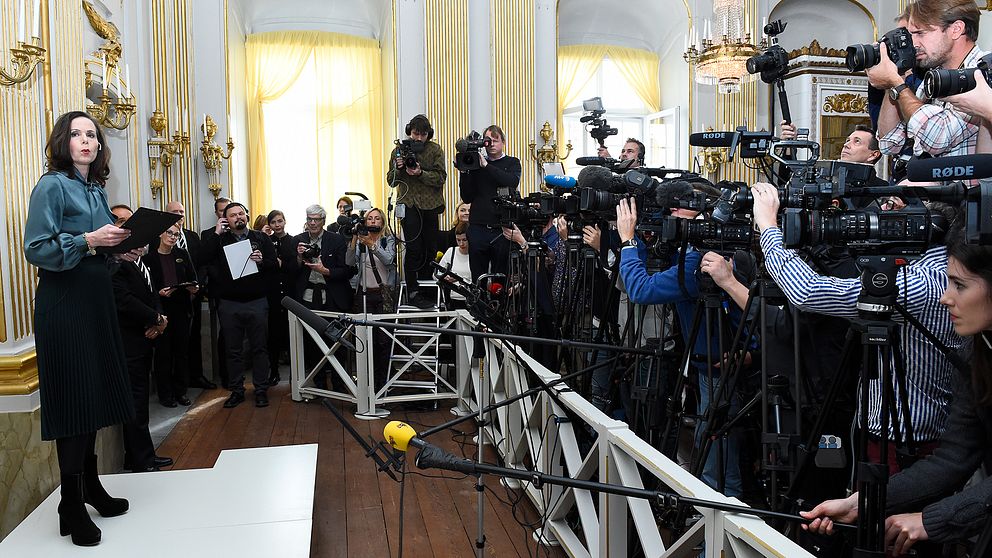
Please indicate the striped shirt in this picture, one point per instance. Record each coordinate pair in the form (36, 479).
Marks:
(920, 286)
(937, 127)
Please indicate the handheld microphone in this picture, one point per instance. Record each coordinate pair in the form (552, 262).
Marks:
(594, 161)
(559, 181)
(712, 139)
(961, 167)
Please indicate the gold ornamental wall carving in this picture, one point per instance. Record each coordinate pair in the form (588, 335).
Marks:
(846, 103)
(815, 49)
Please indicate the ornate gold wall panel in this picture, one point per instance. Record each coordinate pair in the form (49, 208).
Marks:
(446, 63)
(19, 374)
(512, 38)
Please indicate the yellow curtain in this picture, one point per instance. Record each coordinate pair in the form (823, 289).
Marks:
(274, 62)
(348, 100)
(576, 66)
(640, 69)
(578, 63)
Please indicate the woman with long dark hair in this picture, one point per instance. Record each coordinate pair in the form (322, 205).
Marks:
(82, 373)
(920, 501)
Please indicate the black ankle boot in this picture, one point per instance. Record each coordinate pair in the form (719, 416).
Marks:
(73, 518)
(95, 495)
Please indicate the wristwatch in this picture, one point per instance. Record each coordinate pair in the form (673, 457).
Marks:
(895, 91)
(159, 320)
(89, 249)
(632, 243)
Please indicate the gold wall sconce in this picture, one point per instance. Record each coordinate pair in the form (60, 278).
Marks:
(713, 158)
(213, 154)
(25, 57)
(547, 153)
(162, 149)
(116, 105)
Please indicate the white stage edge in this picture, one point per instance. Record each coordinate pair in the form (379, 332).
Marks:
(253, 502)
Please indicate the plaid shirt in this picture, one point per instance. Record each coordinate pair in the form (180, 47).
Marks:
(938, 128)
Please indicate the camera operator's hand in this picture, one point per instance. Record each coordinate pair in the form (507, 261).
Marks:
(318, 267)
(414, 171)
(366, 239)
(884, 75)
(604, 153)
(626, 219)
(765, 205)
(977, 102)
(222, 226)
(787, 131)
(483, 158)
(591, 235)
(719, 268)
(300, 248)
(903, 531)
(514, 235)
(844, 510)
(562, 225)
(399, 162)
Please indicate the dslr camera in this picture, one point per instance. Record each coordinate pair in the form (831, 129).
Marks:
(467, 151)
(773, 63)
(901, 51)
(311, 252)
(944, 83)
(407, 151)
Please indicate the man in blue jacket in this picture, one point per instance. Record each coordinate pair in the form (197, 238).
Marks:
(667, 287)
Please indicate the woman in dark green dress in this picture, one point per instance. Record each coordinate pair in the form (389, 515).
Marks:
(81, 368)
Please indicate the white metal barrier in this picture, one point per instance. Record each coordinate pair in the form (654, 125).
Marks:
(538, 432)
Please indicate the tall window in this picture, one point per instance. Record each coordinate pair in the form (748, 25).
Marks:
(625, 111)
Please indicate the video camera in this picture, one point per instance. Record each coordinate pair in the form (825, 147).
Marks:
(938, 83)
(599, 129)
(977, 199)
(898, 42)
(467, 151)
(407, 150)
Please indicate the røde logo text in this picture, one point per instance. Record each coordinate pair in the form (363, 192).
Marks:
(714, 135)
(954, 172)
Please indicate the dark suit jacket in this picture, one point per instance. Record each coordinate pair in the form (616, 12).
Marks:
(180, 301)
(138, 306)
(333, 249)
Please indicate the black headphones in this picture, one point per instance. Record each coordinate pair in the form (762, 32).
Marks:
(420, 122)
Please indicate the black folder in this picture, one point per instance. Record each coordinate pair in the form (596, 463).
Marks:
(145, 225)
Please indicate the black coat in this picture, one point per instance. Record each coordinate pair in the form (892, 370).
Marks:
(138, 306)
(333, 249)
(180, 301)
(246, 288)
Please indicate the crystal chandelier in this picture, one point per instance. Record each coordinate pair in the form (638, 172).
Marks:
(722, 61)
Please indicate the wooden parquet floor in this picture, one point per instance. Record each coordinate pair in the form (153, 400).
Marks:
(356, 509)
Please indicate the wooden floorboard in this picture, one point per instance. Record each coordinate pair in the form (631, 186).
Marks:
(356, 508)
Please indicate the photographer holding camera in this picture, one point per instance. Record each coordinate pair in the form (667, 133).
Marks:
(919, 284)
(498, 175)
(679, 284)
(417, 169)
(944, 33)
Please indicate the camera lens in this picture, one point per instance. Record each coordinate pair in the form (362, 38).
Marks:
(943, 83)
(861, 57)
(759, 63)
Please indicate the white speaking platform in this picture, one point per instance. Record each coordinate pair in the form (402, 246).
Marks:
(253, 502)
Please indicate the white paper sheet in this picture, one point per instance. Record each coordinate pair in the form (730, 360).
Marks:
(239, 259)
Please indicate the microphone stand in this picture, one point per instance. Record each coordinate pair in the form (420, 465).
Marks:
(433, 457)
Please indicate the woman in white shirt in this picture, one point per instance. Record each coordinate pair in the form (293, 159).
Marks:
(456, 260)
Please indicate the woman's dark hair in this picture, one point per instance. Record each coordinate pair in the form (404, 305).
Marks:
(976, 259)
(461, 228)
(59, 157)
(260, 222)
(273, 214)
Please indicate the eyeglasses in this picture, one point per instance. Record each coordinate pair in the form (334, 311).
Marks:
(315, 219)
(173, 234)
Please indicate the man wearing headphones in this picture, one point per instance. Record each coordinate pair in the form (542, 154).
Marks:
(633, 153)
(420, 188)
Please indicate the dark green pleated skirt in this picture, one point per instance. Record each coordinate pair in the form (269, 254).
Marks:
(82, 373)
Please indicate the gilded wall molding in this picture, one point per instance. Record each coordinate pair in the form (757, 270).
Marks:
(19, 373)
(846, 103)
(815, 49)
(512, 64)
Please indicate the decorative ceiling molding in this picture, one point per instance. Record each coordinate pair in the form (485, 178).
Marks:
(814, 49)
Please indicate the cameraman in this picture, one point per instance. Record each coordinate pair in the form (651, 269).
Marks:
(498, 175)
(421, 190)
(633, 153)
(919, 285)
(679, 285)
(944, 33)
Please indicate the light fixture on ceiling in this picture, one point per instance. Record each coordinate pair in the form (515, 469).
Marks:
(722, 60)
